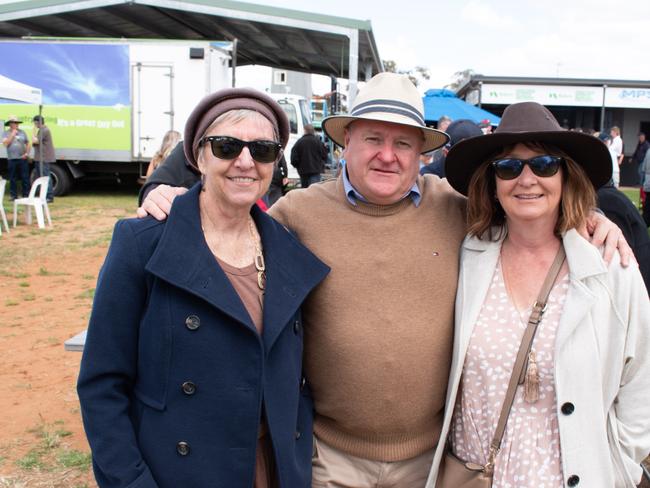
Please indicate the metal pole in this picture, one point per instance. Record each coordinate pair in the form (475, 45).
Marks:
(234, 61)
(480, 93)
(602, 110)
(353, 66)
(40, 140)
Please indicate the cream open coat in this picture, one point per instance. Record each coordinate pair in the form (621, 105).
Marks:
(602, 361)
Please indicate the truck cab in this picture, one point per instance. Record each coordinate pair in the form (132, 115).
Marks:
(299, 115)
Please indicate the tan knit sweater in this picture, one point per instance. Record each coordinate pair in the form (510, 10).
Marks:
(379, 329)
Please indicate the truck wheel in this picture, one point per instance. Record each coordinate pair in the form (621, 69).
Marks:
(61, 180)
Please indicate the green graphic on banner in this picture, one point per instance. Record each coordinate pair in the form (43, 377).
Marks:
(79, 126)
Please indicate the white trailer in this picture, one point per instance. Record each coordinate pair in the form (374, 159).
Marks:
(109, 103)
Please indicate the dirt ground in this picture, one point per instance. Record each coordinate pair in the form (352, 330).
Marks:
(47, 280)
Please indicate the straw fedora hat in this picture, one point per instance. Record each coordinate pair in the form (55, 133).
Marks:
(387, 97)
(13, 118)
(527, 122)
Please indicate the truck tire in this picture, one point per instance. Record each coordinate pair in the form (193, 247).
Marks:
(61, 179)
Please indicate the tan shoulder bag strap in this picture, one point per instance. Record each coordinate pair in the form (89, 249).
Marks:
(529, 334)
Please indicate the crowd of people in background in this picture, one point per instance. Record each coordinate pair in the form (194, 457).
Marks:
(19, 154)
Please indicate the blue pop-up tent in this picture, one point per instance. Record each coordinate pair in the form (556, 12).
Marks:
(439, 102)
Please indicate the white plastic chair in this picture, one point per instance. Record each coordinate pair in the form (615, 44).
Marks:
(38, 199)
(3, 184)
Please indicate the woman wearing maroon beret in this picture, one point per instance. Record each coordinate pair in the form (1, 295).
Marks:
(192, 370)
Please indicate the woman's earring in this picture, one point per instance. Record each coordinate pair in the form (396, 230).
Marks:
(202, 182)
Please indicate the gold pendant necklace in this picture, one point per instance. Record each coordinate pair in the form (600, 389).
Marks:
(260, 266)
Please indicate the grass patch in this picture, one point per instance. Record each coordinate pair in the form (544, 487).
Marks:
(23, 284)
(32, 460)
(10, 303)
(44, 272)
(74, 459)
(88, 277)
(99, 241)
(50, 454)
(633, 195)
(88, 294)
(29, 298)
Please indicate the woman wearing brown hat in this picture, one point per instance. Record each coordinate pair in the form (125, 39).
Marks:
(560, 401)
(191, 373)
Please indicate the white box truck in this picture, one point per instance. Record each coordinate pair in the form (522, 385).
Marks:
(108, 103)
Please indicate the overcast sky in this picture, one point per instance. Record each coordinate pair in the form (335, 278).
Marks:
(566, 38)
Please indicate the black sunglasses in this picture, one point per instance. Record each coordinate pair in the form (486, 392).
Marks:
(542, 166)
(224, 147)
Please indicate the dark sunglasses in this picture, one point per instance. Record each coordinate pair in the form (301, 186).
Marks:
(542, 166)
(224, 147)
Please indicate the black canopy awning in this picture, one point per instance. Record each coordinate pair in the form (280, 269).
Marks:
(270, 36)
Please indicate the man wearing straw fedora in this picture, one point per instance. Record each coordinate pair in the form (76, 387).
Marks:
(377, 341)
(17, 144)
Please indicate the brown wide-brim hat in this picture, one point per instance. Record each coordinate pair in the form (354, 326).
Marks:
(13, 118)
(222, 101)
(387, 97)
(527, 122)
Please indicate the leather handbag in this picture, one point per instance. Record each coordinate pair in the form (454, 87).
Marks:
(453, 471)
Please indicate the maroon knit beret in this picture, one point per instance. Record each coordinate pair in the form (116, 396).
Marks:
(222, 101)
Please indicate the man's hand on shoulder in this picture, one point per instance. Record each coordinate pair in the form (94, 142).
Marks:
(602, 231)
(158, 202)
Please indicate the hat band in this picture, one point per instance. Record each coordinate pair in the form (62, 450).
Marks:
(392, 106)
(389, 110)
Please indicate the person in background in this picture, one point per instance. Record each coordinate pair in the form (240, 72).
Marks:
(191, 374)
(169, 142)
(645, 182)
(43, 150)
(457, 130)
(426, 159)
(607, 140)
(617, 147)
(618, 208)
(278, 182)
(443, 123)
(18, 145)
(639, 154)
(309, 156)
(486, 126)
(580, 416)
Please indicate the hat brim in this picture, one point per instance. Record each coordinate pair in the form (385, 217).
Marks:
(7, 122)
(334, 126)
(465, 157)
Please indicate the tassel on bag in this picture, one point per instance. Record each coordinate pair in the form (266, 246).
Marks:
(531, 383)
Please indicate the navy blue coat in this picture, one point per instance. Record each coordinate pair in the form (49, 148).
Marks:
(174, 375)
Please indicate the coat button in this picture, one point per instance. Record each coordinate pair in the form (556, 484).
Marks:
(297, 435)
(573, 480)
(303, 382)
(192, 322)
(183, 448)
(188, 388)
(567, 408)
(296, 327)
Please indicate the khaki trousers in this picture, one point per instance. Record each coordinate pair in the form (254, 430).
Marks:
(332, 468)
